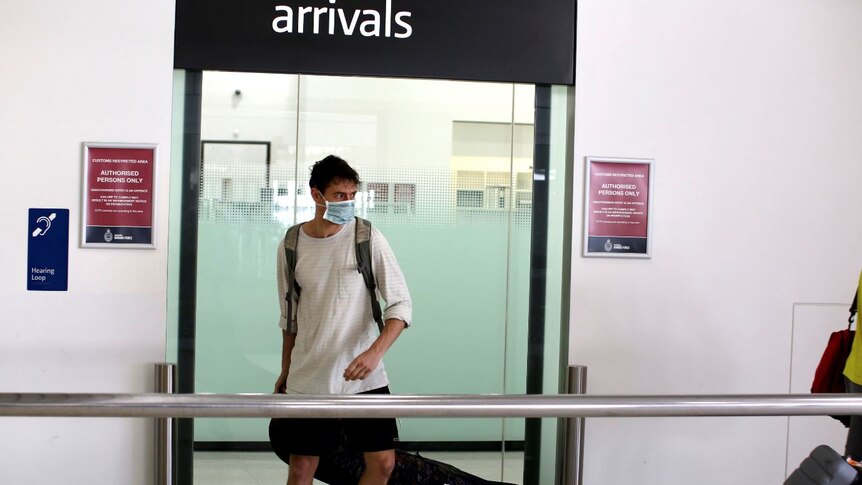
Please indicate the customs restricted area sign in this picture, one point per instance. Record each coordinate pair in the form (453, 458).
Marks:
(118, 209)
(617, 207)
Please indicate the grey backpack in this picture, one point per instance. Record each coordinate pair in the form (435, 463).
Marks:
(363, 263)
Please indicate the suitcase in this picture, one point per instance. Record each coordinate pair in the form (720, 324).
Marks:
(824, 466)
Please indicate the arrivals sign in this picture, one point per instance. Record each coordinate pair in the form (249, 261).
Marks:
(617, 207)
(118, 195)
(503, 40)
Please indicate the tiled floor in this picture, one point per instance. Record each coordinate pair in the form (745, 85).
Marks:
(228, 468)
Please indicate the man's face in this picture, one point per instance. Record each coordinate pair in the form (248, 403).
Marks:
(340, 190)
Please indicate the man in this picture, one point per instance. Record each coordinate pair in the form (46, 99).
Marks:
(331, 342)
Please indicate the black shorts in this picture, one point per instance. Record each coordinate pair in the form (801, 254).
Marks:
(319, 436)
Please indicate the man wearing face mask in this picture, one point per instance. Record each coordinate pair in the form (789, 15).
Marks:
(331, 342)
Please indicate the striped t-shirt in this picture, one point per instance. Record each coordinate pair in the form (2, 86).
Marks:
(334, 320)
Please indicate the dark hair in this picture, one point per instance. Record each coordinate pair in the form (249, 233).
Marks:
(331, 169)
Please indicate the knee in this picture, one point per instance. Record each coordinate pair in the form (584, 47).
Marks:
(380, 464)
(302, 468)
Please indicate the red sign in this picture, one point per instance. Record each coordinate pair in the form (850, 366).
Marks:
(617, 209)
(118, 194)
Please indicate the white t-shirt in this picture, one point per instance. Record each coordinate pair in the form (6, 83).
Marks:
(334, 318)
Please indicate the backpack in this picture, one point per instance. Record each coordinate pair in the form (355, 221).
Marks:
(363, 263)
(829, 375)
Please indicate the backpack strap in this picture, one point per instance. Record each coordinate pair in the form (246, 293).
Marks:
(292, 289)
(363, 263)
(853, 307)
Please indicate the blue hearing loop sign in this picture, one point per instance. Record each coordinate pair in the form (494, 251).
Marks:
(48, 250)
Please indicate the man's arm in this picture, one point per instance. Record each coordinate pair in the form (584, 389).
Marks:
(390, 281)
(288, 340)
(396, 315)
(367, 361)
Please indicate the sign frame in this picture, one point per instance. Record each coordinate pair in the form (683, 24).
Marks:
(87, 207)
(624, 251)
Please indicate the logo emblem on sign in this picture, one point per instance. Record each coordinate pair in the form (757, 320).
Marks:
(608, 245)
(109, 236)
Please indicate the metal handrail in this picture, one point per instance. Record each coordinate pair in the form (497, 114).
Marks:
(406, 406)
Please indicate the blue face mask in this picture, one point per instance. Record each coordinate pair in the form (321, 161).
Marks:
(339, 212)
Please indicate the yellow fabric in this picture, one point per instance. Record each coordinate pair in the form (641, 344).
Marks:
(853, 368)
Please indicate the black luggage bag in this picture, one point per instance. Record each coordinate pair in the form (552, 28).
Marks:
(824, 466)
(344, 466)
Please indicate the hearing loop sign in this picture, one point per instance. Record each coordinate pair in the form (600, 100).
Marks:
(48, 250)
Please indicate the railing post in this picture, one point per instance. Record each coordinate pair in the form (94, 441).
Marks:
(166, 377)
(574, 443)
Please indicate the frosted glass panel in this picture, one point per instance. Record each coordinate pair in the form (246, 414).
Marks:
(247, 198)
(452, 144)
(446, 170)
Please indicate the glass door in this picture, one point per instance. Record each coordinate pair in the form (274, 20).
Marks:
(447, 170)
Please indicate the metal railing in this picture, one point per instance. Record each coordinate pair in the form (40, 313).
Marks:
(425, 406)
(576, 406)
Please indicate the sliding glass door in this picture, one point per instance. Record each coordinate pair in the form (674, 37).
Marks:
(448, 176)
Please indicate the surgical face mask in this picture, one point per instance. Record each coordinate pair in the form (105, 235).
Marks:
(339, 212)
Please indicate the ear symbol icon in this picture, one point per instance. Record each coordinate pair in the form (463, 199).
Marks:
(40, 231)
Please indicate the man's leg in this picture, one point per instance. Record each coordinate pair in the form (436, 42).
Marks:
(377, 439)
(301, 469)
(378, 467)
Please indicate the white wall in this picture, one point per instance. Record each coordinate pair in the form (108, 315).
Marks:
(74, 72)
(753, 113)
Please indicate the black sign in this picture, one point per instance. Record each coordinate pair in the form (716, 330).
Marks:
(526, 41)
